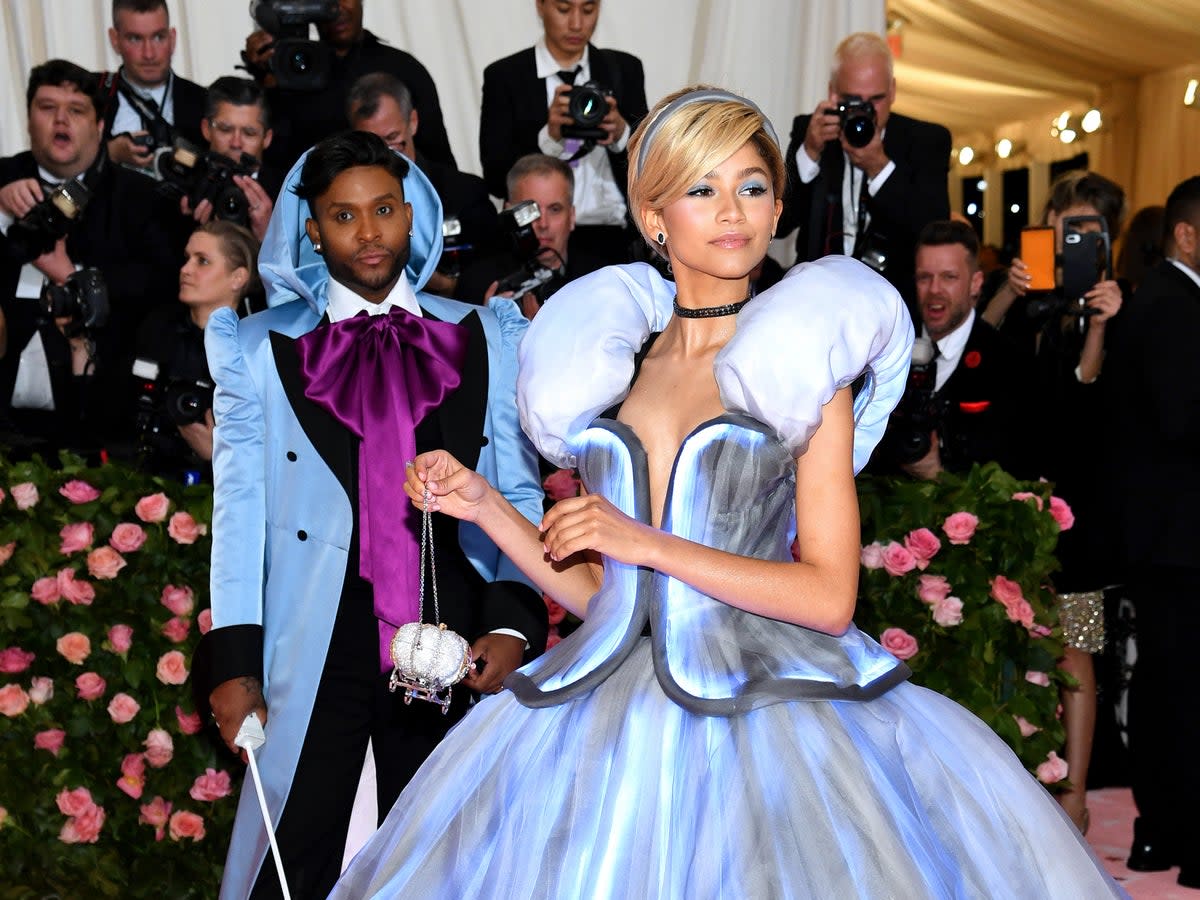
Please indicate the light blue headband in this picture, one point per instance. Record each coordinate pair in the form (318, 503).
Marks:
(686, 100)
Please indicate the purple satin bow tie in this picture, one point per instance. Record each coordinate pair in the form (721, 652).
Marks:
(380, 376)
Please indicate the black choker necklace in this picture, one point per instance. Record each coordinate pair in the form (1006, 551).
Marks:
(710, 312)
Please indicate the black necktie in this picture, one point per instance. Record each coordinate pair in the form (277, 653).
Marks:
(567, 76)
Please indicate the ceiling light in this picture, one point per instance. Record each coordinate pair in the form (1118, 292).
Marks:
(1004, 148)
(1063, 118)
(1015, 208)
(972, 208)
(1092, 121)
(1067, 135)
(965, 155)
(1189, 94)
(1053, 131)
(981, 184)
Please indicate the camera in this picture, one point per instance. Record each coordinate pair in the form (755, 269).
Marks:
(919, 412)
(454, 247)
(41, 227)
(163, 404)
(185, 171)
(83, 299)
(516, 222)
(298, 64)
(587, 105)
(856, 118)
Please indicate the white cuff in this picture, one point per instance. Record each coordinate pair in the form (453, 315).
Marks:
(511, 633)
(808, 168)
(618, 146)
(876, 183)
(547, 144)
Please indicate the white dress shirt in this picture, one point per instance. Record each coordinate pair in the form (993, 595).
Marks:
(950, 350)
(598, 200)
(852, 179)
(126, 118)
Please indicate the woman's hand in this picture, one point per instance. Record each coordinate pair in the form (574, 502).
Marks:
(592, 523)
(1018, 277)
(1105, 298)
(456, 490)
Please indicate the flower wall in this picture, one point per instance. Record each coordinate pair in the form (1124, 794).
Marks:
(110, 786)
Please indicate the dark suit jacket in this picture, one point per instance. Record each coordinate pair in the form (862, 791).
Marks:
(514, 109)
(479, 275)
(1155, 371)
(914, 194)
(188, 101)
(302, 118)
(465, 197)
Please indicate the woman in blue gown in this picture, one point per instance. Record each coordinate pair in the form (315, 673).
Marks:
(717, 727)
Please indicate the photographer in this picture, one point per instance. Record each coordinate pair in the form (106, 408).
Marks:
(527, 103)
(545, 245)
(115, 225)
(150, 105)
(382, 104)
(861, 180)
(174, 406)
(969, 401)
(305, 115)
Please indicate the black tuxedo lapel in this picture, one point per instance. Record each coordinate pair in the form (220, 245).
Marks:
(461, 415)
(960, 378)
(825, 224)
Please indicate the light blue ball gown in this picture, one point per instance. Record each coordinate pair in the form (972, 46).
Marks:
(724, 755)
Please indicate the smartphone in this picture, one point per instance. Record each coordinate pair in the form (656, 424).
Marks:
(1037, 252)
(1086, 255)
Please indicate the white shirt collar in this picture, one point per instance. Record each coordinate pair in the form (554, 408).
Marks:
(343, 303)
(951, 346)
(1187, 270)
(548, 67)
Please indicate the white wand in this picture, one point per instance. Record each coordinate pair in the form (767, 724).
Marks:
(250, 737)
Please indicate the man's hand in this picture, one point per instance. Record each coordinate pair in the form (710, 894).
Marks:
(199, 436)
(871, 158)
(260, 47)
(201, 214)
(501, 655)
(613, 123)
(18, 197)
(823, 127)
(122, 150)
(1105, 298)
(929, 466)
(231, 702)
(258, 204)
(556, 115)
(56, 264)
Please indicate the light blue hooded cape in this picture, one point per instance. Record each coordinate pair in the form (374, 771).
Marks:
(271, 486)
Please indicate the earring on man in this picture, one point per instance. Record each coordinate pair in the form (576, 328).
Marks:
(316, 246)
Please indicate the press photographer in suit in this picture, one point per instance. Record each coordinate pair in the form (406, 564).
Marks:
(864, 181)
(527, 106)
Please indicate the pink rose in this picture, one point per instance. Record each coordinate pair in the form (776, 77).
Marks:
(127, 537)
(872, 556)
(210, 786)
(189, 723)
(923, 544)
(1021, 612)
(553, 638)
(897, 559)
(176, 629)
(133, 775)
(75, 537)
(74, 803)
(41, 690)
(152, 508)
(120, 638)
(14, 659)
(1026, 495)
(13, 700)
(24, 495)
(1041, 679)
(1039, 631)
(83, 828)
(932, 588)
(172, 668)
(122, 708)
(185, 825)
(204, 621)
(90, 686)
(79, 492)
(1052, 770)
(51, 739)
(1006, 590)
(155, 813)
(74, 647)
(179, 600)
(104, 563)
(76, 591)
(561, 484)
(555, 612)
(159, 748)
(45, 591)
(960, 527)
(6, 551)
(947, 612)
(184, 529)
(1027, 728)
(899, 643)
(1062, 515)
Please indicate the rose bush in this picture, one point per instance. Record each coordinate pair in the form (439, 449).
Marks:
(110, 785)
(956, 582)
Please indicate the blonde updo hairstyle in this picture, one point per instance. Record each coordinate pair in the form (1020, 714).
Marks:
(689, 142)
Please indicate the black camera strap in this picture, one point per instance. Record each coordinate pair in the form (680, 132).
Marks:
(148, 110)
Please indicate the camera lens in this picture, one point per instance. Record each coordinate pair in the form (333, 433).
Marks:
(299, 62)
(858, 130)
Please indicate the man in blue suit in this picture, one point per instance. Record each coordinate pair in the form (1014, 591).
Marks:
(314, 562)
